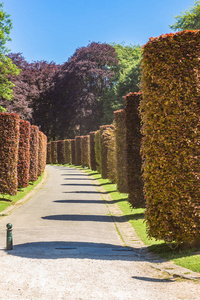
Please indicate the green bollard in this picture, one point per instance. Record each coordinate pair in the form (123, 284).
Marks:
(9, 244)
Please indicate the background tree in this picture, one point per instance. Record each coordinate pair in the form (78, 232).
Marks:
(126, 79)
(189, 19)
(7, 68)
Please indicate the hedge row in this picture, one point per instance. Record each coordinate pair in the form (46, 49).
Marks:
(111, 156)
(170, 112)
(73, 154)
(68, 152)
(93, 163)
(61, 152)
(104, 140)
(85, 151)
(78, 150)
(42, 153)
(18, 153)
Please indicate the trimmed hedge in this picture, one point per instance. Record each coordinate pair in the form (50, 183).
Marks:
(92, 151)
(170, 112)
(9, 143)
(24, 154)
(78, 150)
(121, 156)
(61, 152)
(49, 153)
(112, 162)
(73, 152)
(34, 140)
(133, 145)
(104, 149)
(54, 159)
(68, 152)
(42, 153)
(85, 151)
(98, 150)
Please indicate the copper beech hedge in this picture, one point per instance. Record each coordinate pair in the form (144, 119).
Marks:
(49, 153)
(24, 154)
(111, 155)
(92, 151)
(121, 157)
(170, 111)
(85, 151)
(73, 154)
(68, 152)
(9, 143)
(98, 150)
(78, 150)
(61, 152)
(104, 149)
(42, 153)
(133, 144)
(54, 159)
(34, 143)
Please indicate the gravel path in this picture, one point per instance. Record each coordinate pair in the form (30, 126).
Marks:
(67, 246)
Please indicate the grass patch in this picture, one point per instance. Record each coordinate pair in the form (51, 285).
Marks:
(8, 200)
(189, 258)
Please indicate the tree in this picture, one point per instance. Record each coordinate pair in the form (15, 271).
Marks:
(126, 79)
(72, 106)
(189, 19)
(7, 68)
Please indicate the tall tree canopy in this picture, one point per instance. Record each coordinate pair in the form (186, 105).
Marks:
(189, 19)
(7, 68)
(72, 105)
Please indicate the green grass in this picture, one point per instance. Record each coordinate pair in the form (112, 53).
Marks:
(185, 258)
(8, 200)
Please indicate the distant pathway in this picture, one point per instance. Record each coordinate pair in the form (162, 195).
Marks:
(66, 246)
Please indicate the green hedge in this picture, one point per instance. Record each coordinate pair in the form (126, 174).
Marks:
(170, 112)
(104, 149)
(24, 154)
(92, 151)
(133, 145)
(9, 142)
(34, 142)
(78, 150)
(68, 152)
(121, 156)
(54, 156)
(85, 151)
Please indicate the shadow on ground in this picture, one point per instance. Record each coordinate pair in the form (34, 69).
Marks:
(60, 249)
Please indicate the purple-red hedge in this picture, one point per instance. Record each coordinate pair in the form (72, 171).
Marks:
(49, 153)
(34, 142)
(73, 152)
(92, 151)
(104, 150)
(85, 154)
(24, 154)
(68, 152)
(61, 152)
(78, 150)
(42, 153)
(9, 143)
(54, 159)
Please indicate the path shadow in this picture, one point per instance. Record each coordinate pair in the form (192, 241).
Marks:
(82, 250)
(78, 179)
(78, 184)
(86, 192)
(80, 201)
(75, 174)
(153, 279)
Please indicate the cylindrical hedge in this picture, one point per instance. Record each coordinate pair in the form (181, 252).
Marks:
(78, 150)
(112, 162)
(49, 153)
(61, 152)
(85, 151)
(34, 142)
(92, 151)
(9, 143)
(121, 156)
(170, 112)
(73, 152)
(98, 150)
(104, 150)
(42, 153)
(24, 154)
(133, 146)
(54, 159)
(68, 152)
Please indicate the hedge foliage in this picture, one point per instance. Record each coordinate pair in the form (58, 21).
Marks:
(61, 152)
(98, 150)
(42, 153)
(85, 151)
(133, 145)
(9, 143)
(111, 157)
(68, 152)
(54, 159)
(49, 153)
(121, 156)
(73, 151)
(92, 151)
(78, 150)
(170, 112)
(34, 142)
(24, 154)
(104, 149)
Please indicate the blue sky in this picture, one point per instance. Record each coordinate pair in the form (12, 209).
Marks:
(52, 30)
